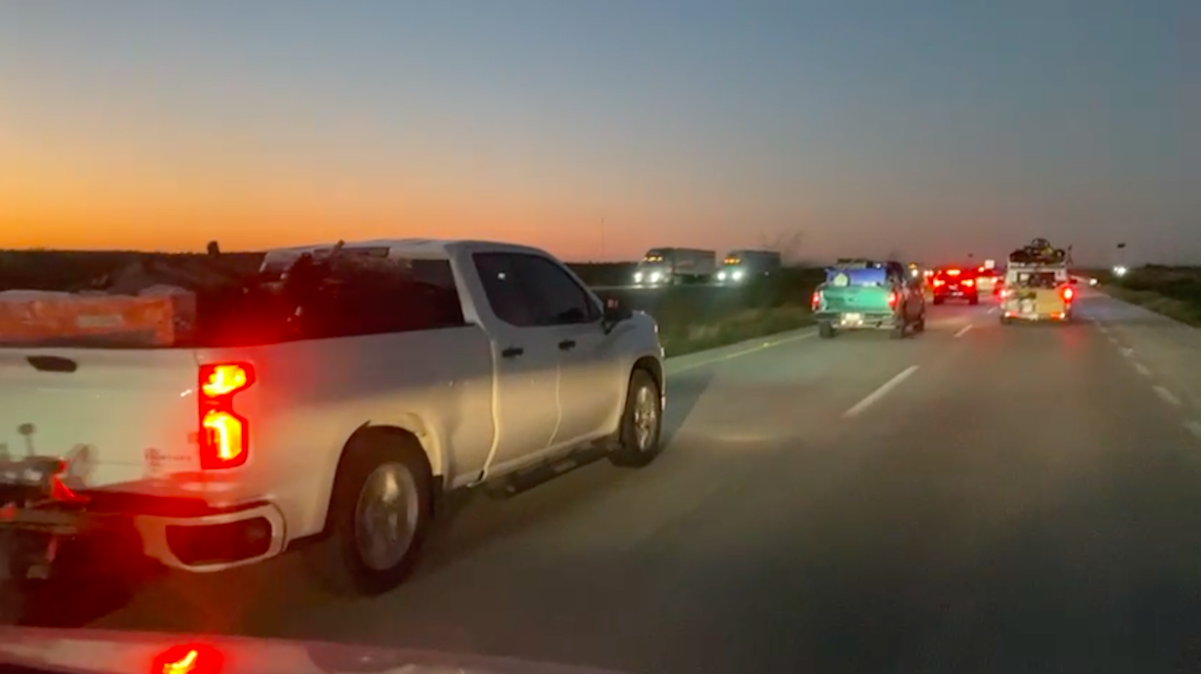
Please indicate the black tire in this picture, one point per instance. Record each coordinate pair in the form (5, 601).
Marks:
(825, 330)
(634, 449)
(938, 301)
(1005, 320)
(974, 300)
(337, 559)
(898, 331)
(920, 326)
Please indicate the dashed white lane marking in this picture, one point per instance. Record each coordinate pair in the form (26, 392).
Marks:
(993, 310)
(1142, 369)
(880, 392)
(1128, 352)
(1113, 340)
(1167, 396)
(1194, 427)
(963, 330)
(1104, 330)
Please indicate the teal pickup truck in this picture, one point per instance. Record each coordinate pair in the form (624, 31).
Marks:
(868, 295)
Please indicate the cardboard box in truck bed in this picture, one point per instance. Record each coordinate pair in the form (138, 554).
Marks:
(157, 317)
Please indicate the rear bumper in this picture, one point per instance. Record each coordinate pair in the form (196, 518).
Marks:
(213, 542)
(956, 294)
(1035, 317)
(846, 320)
(185, 534)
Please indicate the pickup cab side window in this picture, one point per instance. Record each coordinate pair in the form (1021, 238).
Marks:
(529, 290)
(506, 293)
(560, 299)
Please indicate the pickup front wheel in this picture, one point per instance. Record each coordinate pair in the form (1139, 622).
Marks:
(379, 515)
(641, 423)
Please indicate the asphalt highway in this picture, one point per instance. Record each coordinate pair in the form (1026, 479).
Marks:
(979, 498)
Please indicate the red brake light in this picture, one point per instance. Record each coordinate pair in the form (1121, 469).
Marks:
(968, 282)
(224, 435)
(939, 282)
(952, 272)
(816, 302)
(1067, 294)
(892, 299)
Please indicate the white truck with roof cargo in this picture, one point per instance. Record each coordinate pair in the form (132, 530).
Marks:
(349, 388)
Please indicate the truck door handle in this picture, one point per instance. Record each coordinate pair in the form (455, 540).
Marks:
(512, 352)
(567, 345)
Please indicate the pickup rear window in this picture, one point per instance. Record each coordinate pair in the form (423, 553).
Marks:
(1047, 279)
(314, 298)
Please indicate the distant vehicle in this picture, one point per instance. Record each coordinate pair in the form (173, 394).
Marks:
(671, 266)
(741, 265)
(955, 283)
(333, 398)
(864, 294)
(989, 280)
(1038, 285)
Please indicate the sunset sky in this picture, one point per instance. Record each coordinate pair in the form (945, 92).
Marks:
(930, 128)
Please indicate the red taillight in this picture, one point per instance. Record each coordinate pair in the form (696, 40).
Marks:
(1067, 294)
(892, 299)
(939, 282)
(968, 282)
(224, 435)
(816, 302)
(952, 272)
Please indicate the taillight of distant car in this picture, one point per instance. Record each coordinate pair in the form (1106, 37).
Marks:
(816, 302)
(1067, 294)
(967, 282)
(892, 299)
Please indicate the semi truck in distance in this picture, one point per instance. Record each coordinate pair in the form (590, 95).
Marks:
(741, 265)
(672, 266)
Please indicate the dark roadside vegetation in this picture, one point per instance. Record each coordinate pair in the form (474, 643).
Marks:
(1172, 291)
(691, 318)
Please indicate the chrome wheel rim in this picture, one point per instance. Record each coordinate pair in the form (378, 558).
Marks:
(646, 418)
(386, 516)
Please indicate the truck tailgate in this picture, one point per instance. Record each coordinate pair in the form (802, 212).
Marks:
(864, 299)
(119, 417)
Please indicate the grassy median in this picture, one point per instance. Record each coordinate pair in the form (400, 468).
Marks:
(694, 319)
(1172, 291)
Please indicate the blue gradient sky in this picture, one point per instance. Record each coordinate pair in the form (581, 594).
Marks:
(930, 128)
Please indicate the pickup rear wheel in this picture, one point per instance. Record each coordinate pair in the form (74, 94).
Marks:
(379, 515)
(641, 423)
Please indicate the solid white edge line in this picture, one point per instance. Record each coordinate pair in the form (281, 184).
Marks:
(963, 330)
(1167, 396)
(880, 392)
(1142, 369)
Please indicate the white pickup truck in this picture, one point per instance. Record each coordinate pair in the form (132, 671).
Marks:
(480, 361)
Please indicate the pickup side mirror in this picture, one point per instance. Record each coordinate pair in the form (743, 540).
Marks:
(614, 314)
